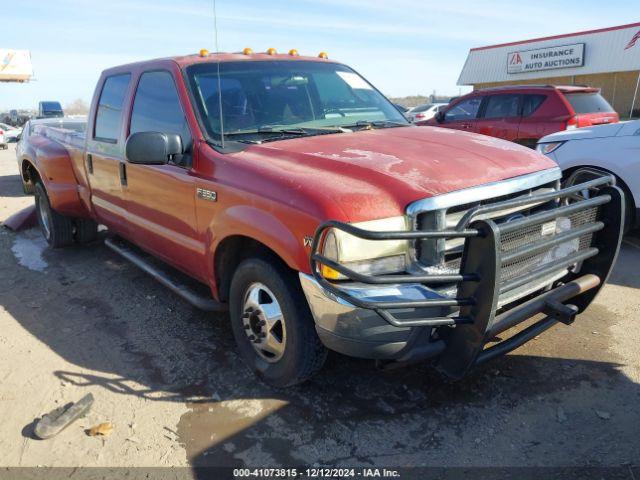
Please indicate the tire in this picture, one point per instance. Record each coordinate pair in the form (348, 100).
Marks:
(56, 229)
(629, 211)
(300, 354)
(629, 207)
(86, 231)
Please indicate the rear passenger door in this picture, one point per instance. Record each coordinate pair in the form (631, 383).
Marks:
(161, 198)
(500, 116)
(463, 115)
(533, 126)
(104, 158)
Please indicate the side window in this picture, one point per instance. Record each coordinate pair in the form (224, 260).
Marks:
(502, 106)
(156, 108)
(109, 114)
(465, 110)
(532, 103)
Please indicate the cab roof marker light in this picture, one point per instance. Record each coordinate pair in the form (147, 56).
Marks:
(293, 52)
(272, 51)
(247, 51)
(204, 52)
(323, 55)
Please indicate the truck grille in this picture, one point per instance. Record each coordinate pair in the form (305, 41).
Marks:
(449, 253)
(529, 235)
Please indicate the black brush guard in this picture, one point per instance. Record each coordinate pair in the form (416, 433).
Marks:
(479, 281)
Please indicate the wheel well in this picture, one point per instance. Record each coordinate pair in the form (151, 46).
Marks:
(231, 252)
(627, 191)
(29, 172)
(527, 142)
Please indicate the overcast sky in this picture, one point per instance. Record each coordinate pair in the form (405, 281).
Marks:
(404, 47)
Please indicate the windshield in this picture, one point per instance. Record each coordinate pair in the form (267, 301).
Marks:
(274, 96)
(588, 102)
(422, 108)
(51, 106)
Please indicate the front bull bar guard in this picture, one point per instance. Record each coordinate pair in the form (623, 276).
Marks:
(479, 281)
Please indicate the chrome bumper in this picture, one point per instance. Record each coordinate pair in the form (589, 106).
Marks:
(361, 332)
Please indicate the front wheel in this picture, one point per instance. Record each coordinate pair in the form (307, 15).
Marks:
(272, 323)
(588, 173)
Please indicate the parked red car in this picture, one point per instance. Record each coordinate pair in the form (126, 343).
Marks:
(526, 113)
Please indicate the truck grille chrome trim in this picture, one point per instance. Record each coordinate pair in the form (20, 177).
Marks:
(508, 199)
(484, 192)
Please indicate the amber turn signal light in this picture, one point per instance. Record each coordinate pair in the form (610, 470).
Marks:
(329, 273)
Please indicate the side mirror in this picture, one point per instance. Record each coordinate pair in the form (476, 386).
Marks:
(152, 148)
(439, 116)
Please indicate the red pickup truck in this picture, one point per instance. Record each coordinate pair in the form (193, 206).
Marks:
(306, 205)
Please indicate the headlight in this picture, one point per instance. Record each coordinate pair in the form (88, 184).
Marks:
(369, 257)
(547, 148)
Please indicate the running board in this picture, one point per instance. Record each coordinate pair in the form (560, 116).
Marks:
(164, 274)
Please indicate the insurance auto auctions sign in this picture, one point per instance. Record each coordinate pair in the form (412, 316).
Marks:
(550, 58)
(15, 65)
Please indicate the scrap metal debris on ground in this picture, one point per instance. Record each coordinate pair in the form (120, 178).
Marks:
(57, 420)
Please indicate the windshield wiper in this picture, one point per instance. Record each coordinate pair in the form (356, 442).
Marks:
(270, 134)
(370, 124)
(300, 130)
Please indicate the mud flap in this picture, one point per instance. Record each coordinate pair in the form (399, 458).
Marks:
(23, 220)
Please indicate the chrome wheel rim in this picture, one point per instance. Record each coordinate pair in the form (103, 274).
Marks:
(43, 213)
(264, 323)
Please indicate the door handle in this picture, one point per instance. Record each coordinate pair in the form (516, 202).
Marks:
(122, 167)
(466, 126)
(89, 163)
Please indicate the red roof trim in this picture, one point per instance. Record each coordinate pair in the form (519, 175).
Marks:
(553, 37)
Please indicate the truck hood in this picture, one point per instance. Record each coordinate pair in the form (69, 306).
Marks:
(377, 173)
(599, 131)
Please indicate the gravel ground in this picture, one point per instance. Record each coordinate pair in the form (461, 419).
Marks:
(168, 377)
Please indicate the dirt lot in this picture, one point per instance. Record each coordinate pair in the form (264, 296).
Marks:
(82, 320)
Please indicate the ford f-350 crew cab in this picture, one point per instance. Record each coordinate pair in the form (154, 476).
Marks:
(313, 211)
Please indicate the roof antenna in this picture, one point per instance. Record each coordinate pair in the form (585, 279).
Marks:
(215, 29)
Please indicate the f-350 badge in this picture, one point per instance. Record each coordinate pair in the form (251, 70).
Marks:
(205, 194)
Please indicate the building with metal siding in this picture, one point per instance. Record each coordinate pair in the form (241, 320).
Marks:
(608, 58)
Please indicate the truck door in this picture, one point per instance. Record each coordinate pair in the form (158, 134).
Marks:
(104, 158)
(500, 116)
(161, 198)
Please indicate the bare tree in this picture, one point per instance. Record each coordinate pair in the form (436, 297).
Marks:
(77, 107)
